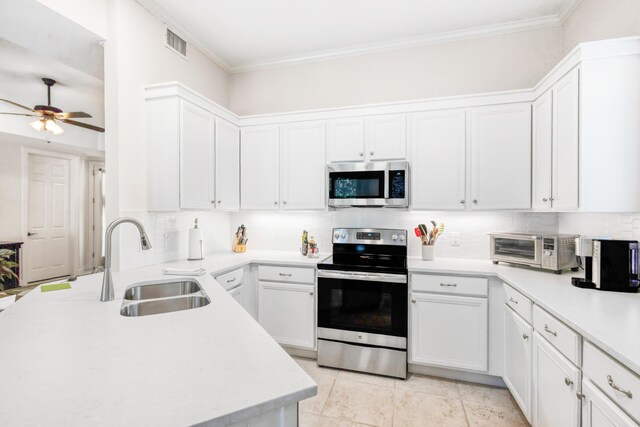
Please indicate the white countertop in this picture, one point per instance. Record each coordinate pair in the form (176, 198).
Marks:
(610, 320)
(69, 359)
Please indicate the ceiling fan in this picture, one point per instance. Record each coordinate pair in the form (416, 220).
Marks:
(48, 115)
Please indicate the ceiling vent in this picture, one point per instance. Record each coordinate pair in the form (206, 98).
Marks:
(176, 43)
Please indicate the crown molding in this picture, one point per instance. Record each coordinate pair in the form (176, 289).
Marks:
(568, 10)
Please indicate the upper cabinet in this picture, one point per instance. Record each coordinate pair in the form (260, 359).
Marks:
(556, 145)
(260, 167)
(437, 144)
(303, 168)
(500, 141)
(371, 139)
(227, 161)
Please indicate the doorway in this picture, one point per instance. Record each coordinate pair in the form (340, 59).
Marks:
(97, 217)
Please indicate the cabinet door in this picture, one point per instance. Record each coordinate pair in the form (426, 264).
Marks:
(303, 166)
(345, 139)
(196, 157)
(599, 411)
(565, 141)
(501, 157)
(449, 331)
(386, 137)
(227, 166)
(556, 382)
(286, 311)
(542, 151)
(517, 359)
(260, 171)
(437, 144)
(237, 294)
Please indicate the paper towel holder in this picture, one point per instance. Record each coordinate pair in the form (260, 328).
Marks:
(195, 243)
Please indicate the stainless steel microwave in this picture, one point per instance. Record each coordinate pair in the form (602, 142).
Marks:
(377, 184)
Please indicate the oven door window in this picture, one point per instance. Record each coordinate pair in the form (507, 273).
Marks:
(356, 185)
(363, 306)
(516, 248)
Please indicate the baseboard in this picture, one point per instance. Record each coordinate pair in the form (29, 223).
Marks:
(299, 352)
(471, 377)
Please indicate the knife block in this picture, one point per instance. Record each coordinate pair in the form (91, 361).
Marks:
(238, 248)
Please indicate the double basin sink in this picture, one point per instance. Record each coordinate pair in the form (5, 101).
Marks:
(144, 299)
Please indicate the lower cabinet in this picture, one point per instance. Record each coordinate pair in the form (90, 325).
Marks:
(556, 387)
(287, 312)
(600, 411)
(237, 294)
(517, 359)
(449, 331)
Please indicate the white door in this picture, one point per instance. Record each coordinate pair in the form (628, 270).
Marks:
(542, 151)
(437, 144)
(449, 331)
(386, 137)
(227, 171)
(97, 222)
(260, 167)
(599, 411)
(237, 294)
(556, 384)
(286, 311)
(345, 140)
(565, 141)
(501, 157)
(303, 166)
(517, 359)
(47, 249)
(196, 157)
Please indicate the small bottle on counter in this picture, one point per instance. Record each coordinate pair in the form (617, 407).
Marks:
(304, 247)
(312, 251)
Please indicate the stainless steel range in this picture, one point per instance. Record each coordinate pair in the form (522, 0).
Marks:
(362, 302)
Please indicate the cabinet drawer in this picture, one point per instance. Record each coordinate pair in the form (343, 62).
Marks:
(616, 381)
(558, 334)
(450, 284)
(518, 302)
(286, 274)
(232, 279)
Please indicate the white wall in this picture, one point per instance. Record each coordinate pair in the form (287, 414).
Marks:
(601, 19)
(91, 14)
(506, 62)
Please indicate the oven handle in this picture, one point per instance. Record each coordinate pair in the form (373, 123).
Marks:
(368, 277)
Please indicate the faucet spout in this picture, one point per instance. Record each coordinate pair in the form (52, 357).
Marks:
(145, 244)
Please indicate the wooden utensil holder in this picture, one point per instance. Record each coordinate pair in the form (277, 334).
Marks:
(238, 248)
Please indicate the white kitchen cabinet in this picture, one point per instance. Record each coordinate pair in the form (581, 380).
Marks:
(260, 167)
(345, 140)
(566, 128)
(303, 171)
(237, 294)
(437, 143)
(556, 387)
(501, 157)
(227, 161)
(287, 312)
(542, 151)
(449, 331)
(385, 137)
(517, 359)
(600, 411)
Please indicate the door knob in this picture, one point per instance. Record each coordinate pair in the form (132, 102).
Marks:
(31, 234)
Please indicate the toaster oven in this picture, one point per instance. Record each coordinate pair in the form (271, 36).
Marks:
(554, 252)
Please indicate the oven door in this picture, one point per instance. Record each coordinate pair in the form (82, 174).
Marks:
(523, 249)
(357, 188)
(364, 308)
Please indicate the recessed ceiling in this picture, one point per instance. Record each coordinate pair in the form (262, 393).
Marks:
(247, 34)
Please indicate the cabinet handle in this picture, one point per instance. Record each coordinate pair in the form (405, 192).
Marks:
(568, 381)
(219, 201)
(546, 329)
(475, 202)
(462, 202)
(512, 300)
(525, 336)
(284, 202)
(448, 285)
(285, 274)
(31, 234)
(544, 199)
(213, 202)
(361, 154)
(311, 293)
(275, 203)
(232, 280)
(413, 301)
(371, 153)
(551, 199)
(616, 388)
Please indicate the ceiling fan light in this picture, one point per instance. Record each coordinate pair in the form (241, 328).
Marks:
(38, 125)
(50, 125)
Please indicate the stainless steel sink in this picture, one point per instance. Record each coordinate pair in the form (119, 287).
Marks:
(162, 290)
(166, 305)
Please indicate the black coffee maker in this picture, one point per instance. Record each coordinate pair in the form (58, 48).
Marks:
(584, 254)
(610, 265)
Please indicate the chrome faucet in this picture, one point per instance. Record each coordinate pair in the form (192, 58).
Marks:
(107, 282)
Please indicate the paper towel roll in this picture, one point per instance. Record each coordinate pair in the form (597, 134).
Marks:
(196, 251)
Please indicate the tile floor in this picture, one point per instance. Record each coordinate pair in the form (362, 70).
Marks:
(352, 400)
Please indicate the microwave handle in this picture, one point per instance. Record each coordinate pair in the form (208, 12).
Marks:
(386, 184)
(514, 236)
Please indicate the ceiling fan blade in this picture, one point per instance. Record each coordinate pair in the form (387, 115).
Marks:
(73, 115)
(82, 125)
(20, 114)
(16, 104)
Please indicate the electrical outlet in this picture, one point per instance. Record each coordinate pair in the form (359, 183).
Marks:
(455, 238)
(167, 240)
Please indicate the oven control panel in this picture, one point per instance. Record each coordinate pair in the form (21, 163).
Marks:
(370, 236)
